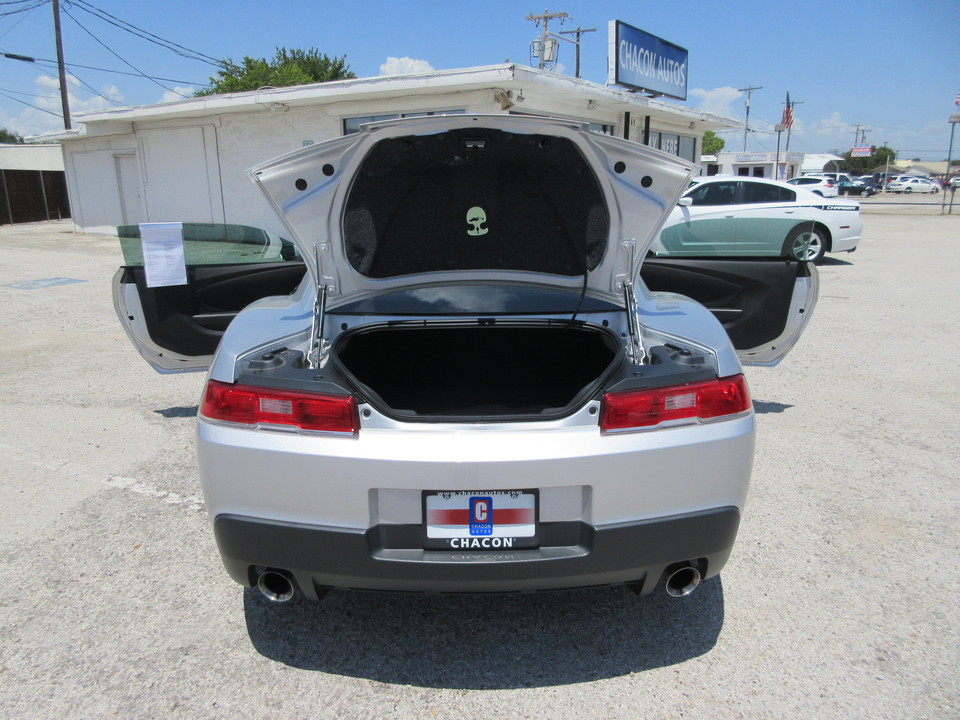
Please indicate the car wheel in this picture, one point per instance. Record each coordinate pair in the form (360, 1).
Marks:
(935, 190)
(807, 244)
(864, 193)
(908, 190)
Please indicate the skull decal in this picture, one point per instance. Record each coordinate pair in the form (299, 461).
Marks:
(476, 218)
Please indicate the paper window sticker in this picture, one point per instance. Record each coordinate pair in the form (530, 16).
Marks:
(163, 259)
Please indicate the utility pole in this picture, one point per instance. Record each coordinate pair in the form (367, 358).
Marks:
(793, 104)
(746, 126)
(64, 100)
(578, 32)
(545, 18)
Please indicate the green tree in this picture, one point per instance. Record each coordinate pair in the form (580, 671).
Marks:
(711, 143)
(866, 165)
(288, 67)
(10, 138)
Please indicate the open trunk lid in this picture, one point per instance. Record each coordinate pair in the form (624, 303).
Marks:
(473, 198)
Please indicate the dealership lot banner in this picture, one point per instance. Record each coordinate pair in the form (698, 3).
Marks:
(645, 62)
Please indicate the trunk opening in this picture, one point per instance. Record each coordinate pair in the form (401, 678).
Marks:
(478, 372)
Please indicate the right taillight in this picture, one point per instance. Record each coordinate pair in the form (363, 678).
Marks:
(647, 408)
(250, 405)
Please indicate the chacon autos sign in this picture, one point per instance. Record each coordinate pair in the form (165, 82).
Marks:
(645, 62)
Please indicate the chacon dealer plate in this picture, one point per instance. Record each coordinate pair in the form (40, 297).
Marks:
(480, 519)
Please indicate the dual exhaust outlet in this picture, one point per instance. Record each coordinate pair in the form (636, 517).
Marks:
(278, 586)
(681, 580)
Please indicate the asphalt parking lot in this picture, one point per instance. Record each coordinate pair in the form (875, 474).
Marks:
(840, 600)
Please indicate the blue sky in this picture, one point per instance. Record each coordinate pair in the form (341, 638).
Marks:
(888, 66)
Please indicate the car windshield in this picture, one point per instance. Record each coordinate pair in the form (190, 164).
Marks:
(475, 200)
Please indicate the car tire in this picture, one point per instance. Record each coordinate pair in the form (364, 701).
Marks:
(908, 191)
(806, 244)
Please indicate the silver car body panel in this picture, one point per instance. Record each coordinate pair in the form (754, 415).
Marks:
(378, 476)
(353, 485)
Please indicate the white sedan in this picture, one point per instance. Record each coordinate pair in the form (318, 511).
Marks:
(913, 185)
(752, 217)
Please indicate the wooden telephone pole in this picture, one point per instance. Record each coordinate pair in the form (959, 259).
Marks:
(64, 100)
(545, 18)
(746, 125)
(578, 32)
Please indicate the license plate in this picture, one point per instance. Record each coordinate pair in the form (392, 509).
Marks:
(480, 520)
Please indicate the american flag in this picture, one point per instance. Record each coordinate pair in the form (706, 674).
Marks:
(787, 119)
(957, 101)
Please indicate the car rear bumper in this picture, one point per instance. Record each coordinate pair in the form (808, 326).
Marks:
(384, 558)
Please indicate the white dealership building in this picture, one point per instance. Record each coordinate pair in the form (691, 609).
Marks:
(186, 160)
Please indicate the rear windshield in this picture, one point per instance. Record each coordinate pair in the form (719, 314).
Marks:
(475, 200)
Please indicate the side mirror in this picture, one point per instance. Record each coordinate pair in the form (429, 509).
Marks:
(685, 202)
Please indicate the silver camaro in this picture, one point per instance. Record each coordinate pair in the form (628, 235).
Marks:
(462, 372)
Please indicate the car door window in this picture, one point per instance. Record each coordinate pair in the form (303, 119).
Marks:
(215, 244)
(717, 193)
(754, 193)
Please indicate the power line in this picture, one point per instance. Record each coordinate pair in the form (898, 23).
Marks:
(111, 51)
(146, 34)
(19, 20)
(79, 84)
(36, 4)
(17, 92)
(50, 112)
(27, 58)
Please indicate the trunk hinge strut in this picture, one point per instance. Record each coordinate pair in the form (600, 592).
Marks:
(625, 282)
(318, 343)
(633, 324)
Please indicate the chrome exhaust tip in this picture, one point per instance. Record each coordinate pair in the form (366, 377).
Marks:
(682, 581)
(276, 586)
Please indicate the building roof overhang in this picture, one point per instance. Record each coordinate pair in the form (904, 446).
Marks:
(512, 84)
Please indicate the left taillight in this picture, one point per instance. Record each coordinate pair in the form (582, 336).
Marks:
(647, 408)
(250, 405)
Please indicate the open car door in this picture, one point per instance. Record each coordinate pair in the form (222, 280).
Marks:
(176, 322)
(763, 300)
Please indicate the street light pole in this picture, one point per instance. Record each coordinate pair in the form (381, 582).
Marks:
(954, 119)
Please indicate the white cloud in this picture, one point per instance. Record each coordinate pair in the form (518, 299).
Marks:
(177, 93)
(45, 115)
(404, 66)
(718, 101)
(831, 126)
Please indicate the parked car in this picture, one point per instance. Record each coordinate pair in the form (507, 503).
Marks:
(481, 383)
(822, 186)
(754, 217)
(913, 185)
(955, 182)
(857, 186)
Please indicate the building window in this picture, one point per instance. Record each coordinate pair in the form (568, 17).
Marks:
(352, 125)
(680, 145)
(600, 128)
